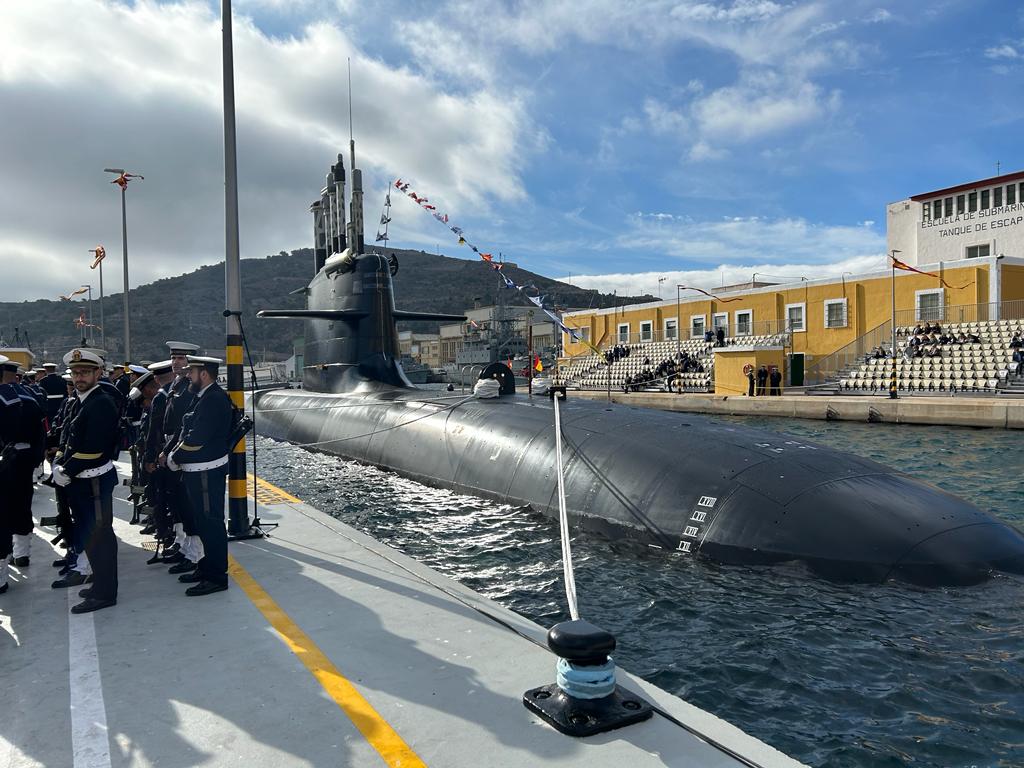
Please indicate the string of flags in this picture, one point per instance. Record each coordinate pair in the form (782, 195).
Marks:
(701, 290)
(907, 268)
(538, 301)
(78, 292)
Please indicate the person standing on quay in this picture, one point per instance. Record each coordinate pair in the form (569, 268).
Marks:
(86, 469)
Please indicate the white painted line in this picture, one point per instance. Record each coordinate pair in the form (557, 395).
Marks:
(90, 747)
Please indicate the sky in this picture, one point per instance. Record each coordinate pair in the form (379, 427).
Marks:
(608, 142)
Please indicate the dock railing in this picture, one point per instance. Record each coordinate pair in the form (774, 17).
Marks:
(961, 313)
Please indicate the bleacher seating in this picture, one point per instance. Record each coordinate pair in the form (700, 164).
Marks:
(983, 367)
(591, 371)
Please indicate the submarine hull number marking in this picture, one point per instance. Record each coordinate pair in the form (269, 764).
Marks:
(698, 516)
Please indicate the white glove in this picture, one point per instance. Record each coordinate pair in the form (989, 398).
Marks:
(60, 477)
(171, 465)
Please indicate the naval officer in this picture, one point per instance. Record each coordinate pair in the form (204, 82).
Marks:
(86, 469)
(153, 439)
(186, 552)
(202, 458)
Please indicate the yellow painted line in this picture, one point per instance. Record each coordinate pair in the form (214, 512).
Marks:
(382, 737)
(234, 355)
(271, 490)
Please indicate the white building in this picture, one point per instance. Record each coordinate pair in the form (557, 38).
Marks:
(969, 221)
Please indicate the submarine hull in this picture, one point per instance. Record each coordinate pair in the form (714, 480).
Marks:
(681, 483)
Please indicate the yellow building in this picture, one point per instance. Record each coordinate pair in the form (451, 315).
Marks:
(817, 317)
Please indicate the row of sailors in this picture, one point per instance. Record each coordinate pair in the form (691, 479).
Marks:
(177, 422)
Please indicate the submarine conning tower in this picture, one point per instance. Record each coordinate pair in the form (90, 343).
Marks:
(351, 336)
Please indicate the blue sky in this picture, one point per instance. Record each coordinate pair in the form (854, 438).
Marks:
(612, 141)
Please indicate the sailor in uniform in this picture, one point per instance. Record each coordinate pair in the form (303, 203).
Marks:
(186, 552)
(202, 458)
(55, 443)
(153, 439)
(24, 454)
(119, 379)
(56, 392)
(21, 420)
(86, 469)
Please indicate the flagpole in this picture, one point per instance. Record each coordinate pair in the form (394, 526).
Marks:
(103, 325)
(892, 379)
(238, 510)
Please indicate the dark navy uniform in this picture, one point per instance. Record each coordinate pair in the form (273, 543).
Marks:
(202, 456)
(179, 402)
(87, 459)
(27, 454)
(153, 440)
(56, 393)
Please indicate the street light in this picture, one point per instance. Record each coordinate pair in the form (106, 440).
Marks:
(122, 181)
(678, 326)
(92, 332)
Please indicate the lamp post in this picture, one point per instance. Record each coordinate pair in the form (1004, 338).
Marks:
(678, 326)
(92, 331)
(123, 183)
(101, 253)
(892, 378)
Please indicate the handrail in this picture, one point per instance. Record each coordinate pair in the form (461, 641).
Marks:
(829, 366)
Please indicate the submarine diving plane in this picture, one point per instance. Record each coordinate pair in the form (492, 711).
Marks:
(688, 485)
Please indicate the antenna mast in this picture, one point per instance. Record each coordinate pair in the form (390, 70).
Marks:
(355, 218)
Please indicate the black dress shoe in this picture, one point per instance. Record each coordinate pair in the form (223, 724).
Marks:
(21, 562)
(73, 579)
(148, 530)
(175, 557)
(61, 563)
(185, 566)
(191, 578)
(91, 604)
(4, 588)
(65, 570)
(205, 588)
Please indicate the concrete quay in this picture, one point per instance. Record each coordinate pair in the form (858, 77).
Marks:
(958, 411)
(328, 649)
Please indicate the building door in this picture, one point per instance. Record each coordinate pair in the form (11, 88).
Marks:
(796, 369)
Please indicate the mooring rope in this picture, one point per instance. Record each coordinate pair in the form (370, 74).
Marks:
(563, 519)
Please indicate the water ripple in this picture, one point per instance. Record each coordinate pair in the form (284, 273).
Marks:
(836, 675)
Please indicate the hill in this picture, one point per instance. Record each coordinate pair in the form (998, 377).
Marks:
(188, 307)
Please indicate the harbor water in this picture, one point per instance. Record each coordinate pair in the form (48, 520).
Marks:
(832, 674)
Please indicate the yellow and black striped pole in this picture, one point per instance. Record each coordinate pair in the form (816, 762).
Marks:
(238, 512)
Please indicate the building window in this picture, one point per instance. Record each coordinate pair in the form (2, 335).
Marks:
(744, 322)
(795, 317)
(972, 202)
(646, 330)
(585, 333)
(720, 320)
(928, 304)
(997, 197)
(978, 251)
(835, 313)
(984, 199)
(697, 326)
(961, 204)
(937, 209)
(947, 204)
(1011, 194)
(926, 212)
(623, 333)
(670, 329)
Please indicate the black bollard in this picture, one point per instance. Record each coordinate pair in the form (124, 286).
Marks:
(585, 699)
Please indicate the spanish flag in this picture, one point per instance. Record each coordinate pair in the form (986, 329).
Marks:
(537, 366)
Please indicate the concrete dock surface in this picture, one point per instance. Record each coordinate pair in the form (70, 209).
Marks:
(328, 649)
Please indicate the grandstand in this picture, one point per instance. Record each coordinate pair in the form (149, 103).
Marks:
(983, 367)
(595, 372)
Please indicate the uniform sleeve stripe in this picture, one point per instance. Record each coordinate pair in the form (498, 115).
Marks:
(184, 447)
(86, 456)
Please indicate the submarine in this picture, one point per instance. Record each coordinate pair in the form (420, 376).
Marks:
(684, 484)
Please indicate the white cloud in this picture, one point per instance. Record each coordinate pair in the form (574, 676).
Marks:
(1002, 52)
(86, 84)
(878, 16)
(646, 283)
